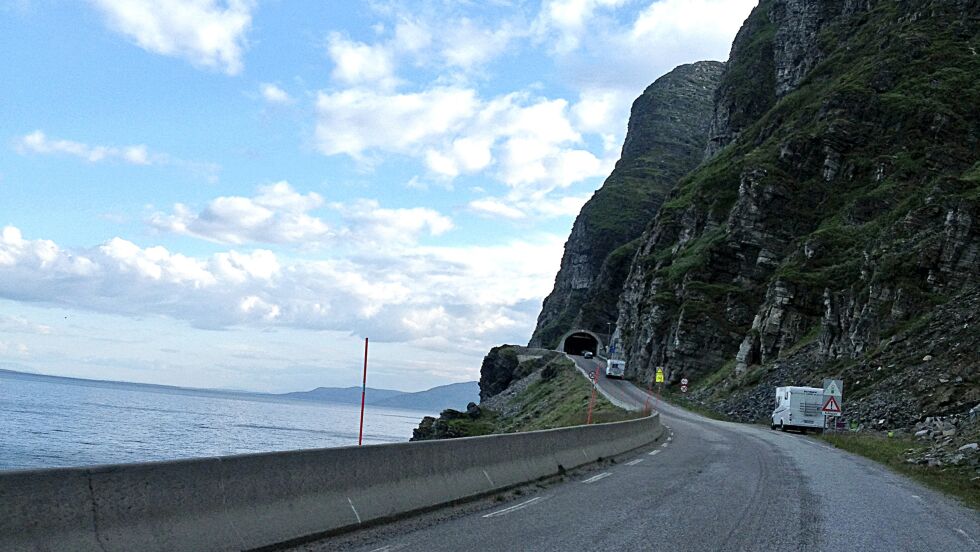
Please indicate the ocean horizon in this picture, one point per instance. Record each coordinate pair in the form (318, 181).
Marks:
(56, 422)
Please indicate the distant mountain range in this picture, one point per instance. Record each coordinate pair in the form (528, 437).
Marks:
(455, 395)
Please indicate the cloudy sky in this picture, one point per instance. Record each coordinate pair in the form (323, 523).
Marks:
(235, 193)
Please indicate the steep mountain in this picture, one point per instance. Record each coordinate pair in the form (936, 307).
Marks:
(833, 226)
(666, 138)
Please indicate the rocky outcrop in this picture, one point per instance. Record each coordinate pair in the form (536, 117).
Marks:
(837, 209)
(665, 139)
(497, 370)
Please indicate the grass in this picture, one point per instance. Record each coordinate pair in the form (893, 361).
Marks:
(952, 480)
(561, 401)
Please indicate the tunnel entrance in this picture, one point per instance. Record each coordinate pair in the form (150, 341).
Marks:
(577, 342)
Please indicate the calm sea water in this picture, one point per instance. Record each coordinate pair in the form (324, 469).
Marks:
(49, 424)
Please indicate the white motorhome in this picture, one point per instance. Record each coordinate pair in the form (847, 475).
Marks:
(615, 368)
(798, 408)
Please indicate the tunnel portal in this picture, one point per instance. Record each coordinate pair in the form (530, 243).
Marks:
(579, 341)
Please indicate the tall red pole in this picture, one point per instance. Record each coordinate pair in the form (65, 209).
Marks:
(595, 382)
(360, 434)
(646, 405)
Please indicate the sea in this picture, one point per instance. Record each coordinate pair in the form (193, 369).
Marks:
(63, 423)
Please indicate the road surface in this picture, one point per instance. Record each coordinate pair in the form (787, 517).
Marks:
(713, 486)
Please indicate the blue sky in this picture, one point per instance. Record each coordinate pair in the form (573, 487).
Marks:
(233, 194)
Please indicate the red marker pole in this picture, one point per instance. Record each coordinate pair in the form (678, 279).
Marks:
(646, 405)
(360, 434)
(595, 382)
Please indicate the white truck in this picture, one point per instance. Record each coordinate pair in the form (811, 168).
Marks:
(798, 408)
(615, 368)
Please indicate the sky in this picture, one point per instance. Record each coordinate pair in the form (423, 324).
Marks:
(234, 194)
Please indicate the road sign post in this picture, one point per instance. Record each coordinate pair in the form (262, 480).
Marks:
(660, 383)
(833, 393)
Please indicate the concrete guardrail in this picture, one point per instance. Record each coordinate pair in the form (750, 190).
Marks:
(258, 500)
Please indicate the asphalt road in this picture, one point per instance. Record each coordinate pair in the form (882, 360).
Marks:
(712, 486)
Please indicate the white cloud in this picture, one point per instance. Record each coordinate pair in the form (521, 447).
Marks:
(715, 22)
(530, 142)
(466, 45)
(495, 207)
(275, 95)
(539, 206)
(565, 22)
(19, 350)
(357, 63)
(19, 324)
(601, 111)
(355, 121)
(279, 214)
(208, 33)
(368, 221)
(412, 36)
(39, 143)
(469, 295)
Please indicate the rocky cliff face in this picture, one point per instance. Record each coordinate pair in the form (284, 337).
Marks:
(665, 139)
(837, 208)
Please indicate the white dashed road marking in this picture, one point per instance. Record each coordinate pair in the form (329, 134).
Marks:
(664, 445)
(515, 507)
(358, 516)
(634, 462)
(595, 478)
(390, 548)
(965, 535)
(654, 452)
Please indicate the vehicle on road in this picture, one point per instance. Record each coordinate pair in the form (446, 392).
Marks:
(798, 408)
(587, 354)
(615, 368)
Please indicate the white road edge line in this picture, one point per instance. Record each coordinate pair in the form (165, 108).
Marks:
(634, 462)
(595, 478)
(514, 508)
(654, 452)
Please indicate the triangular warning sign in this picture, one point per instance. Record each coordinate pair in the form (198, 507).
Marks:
(831, 405)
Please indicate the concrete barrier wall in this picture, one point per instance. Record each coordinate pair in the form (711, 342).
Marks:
(256, 500)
